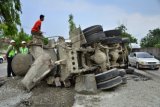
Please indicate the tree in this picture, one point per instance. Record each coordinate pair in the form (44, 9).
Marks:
(152, 39)
(72, 25)
(10, 16)
(21, 36)
(124, 34)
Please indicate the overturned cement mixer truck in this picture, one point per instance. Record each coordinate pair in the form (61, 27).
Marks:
(92, 59)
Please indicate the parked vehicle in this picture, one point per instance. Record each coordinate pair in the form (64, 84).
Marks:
(1, 59)
(143, 60)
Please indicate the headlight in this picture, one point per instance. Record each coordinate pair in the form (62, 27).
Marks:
(142, 62)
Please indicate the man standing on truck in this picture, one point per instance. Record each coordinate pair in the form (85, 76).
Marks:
(36, 30)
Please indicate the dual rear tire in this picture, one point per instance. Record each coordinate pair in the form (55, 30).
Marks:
(110, 79)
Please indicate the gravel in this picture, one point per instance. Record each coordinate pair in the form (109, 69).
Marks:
(138, 92)
(13, 94)
(133, 94)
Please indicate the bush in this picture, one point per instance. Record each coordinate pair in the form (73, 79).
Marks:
(157, 45)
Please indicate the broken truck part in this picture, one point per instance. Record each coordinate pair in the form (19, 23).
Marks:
(89, 52)
(21, 64)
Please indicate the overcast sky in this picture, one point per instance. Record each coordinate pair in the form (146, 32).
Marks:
(138, 16)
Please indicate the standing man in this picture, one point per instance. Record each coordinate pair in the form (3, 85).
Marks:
(36, 30)
(11, 52)
(23, 49)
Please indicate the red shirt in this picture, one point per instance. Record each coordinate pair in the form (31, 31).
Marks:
(37, 26)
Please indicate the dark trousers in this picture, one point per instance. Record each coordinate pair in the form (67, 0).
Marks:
(9, 67)
(39, 34)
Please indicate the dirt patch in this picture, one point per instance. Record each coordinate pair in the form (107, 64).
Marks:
(13, 94)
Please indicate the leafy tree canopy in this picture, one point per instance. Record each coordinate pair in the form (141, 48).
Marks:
(124, 34)
(10, 16)
(152, 39)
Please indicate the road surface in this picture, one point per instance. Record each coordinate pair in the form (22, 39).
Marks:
(3, 69)
(153, 72)
(138, 92)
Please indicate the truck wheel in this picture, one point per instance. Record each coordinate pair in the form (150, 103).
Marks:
(94, 37)
(110, 83)
(125, 40)
(111, 40)
(129, 71)
(111, 33)
(93, 29)
(106, 75)
(122, 72)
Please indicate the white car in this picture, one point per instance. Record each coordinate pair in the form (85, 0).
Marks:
(1, 59)
(143, 60)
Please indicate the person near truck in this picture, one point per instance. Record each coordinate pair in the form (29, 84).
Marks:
(23, 49)
(36, 29)
(11, 52)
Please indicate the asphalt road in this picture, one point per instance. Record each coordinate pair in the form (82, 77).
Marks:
(3, 69)
(153, 72)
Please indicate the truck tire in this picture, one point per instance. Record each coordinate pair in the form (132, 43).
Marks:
(107, 75)
(110, 83)
(94, 37)
(111, 33)
(129, 71)
(122, 72)
(125, 40)
(111, 40)
(93, 29)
